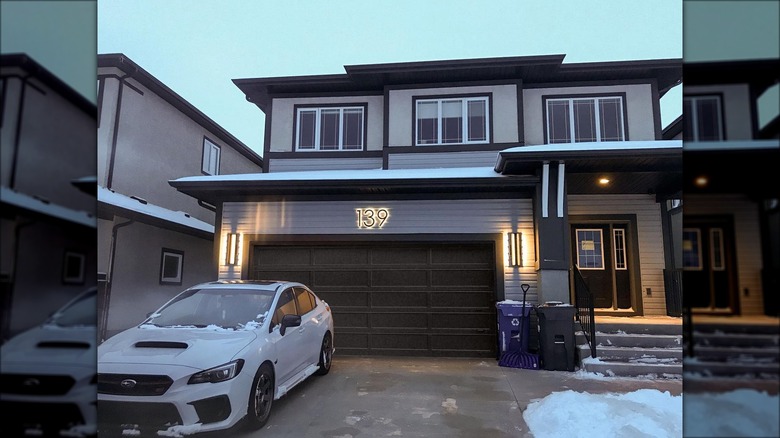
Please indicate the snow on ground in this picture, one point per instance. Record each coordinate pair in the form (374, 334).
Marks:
(652, 413)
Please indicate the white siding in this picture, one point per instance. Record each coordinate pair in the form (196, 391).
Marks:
(304, 164)
(747, 234)
(650, 238)
(428, 217)
(442, 159)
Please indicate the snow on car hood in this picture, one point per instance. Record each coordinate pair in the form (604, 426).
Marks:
(185, 346)
(52, 345)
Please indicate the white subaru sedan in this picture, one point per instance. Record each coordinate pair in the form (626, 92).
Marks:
(213, 355)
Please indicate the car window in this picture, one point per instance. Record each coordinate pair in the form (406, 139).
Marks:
(221, 307)
(285, 306)
(305, 304)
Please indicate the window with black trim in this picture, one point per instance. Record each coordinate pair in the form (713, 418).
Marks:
(73, 268)
(590, 249)
(455, 120)
(332, 128)
(171, 266)
(702, 118)
(584, 119)
(211, 157)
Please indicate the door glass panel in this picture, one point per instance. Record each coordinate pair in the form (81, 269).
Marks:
(619, 237)
(692, 249)
(717, 250)
(590, 250)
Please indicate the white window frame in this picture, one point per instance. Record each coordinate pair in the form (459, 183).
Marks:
(596, 114)
(601, 248)
(700, 266)
(720, 248)
(695, 114)
(317, 128)
(464, 116)
(211, 157)
(621, 252)
(174, 254)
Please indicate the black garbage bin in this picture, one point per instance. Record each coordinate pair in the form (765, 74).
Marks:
(556, 336)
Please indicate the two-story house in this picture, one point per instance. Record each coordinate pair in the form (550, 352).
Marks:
(414, 196)
(153, 241)
(731, 231)
(47, 224)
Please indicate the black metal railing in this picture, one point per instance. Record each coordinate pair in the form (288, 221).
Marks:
(674, 293)
(583, 299)
(688, 341)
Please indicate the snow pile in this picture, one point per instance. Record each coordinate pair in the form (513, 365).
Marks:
(642, 413)
(742, 412)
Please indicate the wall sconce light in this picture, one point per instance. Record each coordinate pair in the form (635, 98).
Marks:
(233, 245)
(515, 245)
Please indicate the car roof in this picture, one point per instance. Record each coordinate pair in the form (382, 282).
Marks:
(246, 284)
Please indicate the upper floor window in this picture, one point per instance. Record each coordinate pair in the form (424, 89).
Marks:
(451, 120)
(585, 119)
(211, 155)
(330, 128)
(702, 118)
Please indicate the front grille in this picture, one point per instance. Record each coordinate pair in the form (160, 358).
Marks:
(133, 384)
(212, 409)
(36, 384)
(116, 414)
(19, 416)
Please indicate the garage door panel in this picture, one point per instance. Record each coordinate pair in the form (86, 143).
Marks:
(344, 299)
(461, 256)
(399, 320)
(341, 279)
(462, 321)
(351, 340)
(462, 278)
(399, 299)
(399, 341)
(352, 320)
(340, 256)
(452, 299)
(408, 278)
(283, 257)
(299, 276)
(399, 256)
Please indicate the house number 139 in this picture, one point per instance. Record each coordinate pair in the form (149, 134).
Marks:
(372, 217)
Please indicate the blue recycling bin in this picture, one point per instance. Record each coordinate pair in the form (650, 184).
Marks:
(513, 316)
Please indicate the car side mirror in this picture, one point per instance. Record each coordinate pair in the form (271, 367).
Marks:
(289, 321)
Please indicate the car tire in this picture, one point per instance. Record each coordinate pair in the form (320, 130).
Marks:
(260, 398)
(326, 355)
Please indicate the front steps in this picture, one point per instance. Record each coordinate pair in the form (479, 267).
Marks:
(631, 348)
(733, 348)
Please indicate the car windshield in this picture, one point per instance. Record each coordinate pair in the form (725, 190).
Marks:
(226, 308)
(79, 312)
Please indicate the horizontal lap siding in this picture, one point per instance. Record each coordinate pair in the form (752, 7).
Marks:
(442, 159)
(305, 164)
(649, 236)
(429, 217)
(747, 234)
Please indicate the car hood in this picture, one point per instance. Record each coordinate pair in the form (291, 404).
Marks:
(52, 345)
(199, 348)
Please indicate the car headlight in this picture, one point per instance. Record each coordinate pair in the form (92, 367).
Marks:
(218, 374)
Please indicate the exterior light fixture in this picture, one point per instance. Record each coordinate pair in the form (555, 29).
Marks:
(603, 181)
(702, 181)
(515, 245)
(233, 245)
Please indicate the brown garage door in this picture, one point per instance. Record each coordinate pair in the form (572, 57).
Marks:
(397, 299)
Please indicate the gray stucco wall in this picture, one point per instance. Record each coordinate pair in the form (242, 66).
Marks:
(639, 106)
(283, 117)
(504, 114)
(135, 287)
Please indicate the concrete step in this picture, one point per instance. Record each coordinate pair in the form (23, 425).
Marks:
(744, 328)
(722, 353)
(743, 369)
(629, 369)
(636, 340)
(735, 339)
(639, 328)
(633, 353)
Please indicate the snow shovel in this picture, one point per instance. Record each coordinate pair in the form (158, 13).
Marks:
(520, 359)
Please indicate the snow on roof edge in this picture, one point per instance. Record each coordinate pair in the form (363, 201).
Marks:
(177, 217)
(31, 203)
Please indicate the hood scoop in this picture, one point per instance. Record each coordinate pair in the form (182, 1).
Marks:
(161, 344)
(72, 345)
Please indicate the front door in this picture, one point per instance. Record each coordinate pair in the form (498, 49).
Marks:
(600, 250)
(709, 266)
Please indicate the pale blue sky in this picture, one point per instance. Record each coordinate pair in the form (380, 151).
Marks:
(197, 46)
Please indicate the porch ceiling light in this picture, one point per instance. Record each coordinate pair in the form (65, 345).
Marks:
(515, 245)
(702, 181)
(604, 181)
(231, 253)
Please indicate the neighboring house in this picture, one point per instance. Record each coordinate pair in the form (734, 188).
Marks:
(153, 241)
(425, 192)
(731, 235)
(47, 224)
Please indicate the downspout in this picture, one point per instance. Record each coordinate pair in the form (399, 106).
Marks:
(110, 278)
(6, 325)
(18, 129)
(114, 137)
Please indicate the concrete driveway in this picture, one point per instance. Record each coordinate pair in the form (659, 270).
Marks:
(424, 397)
